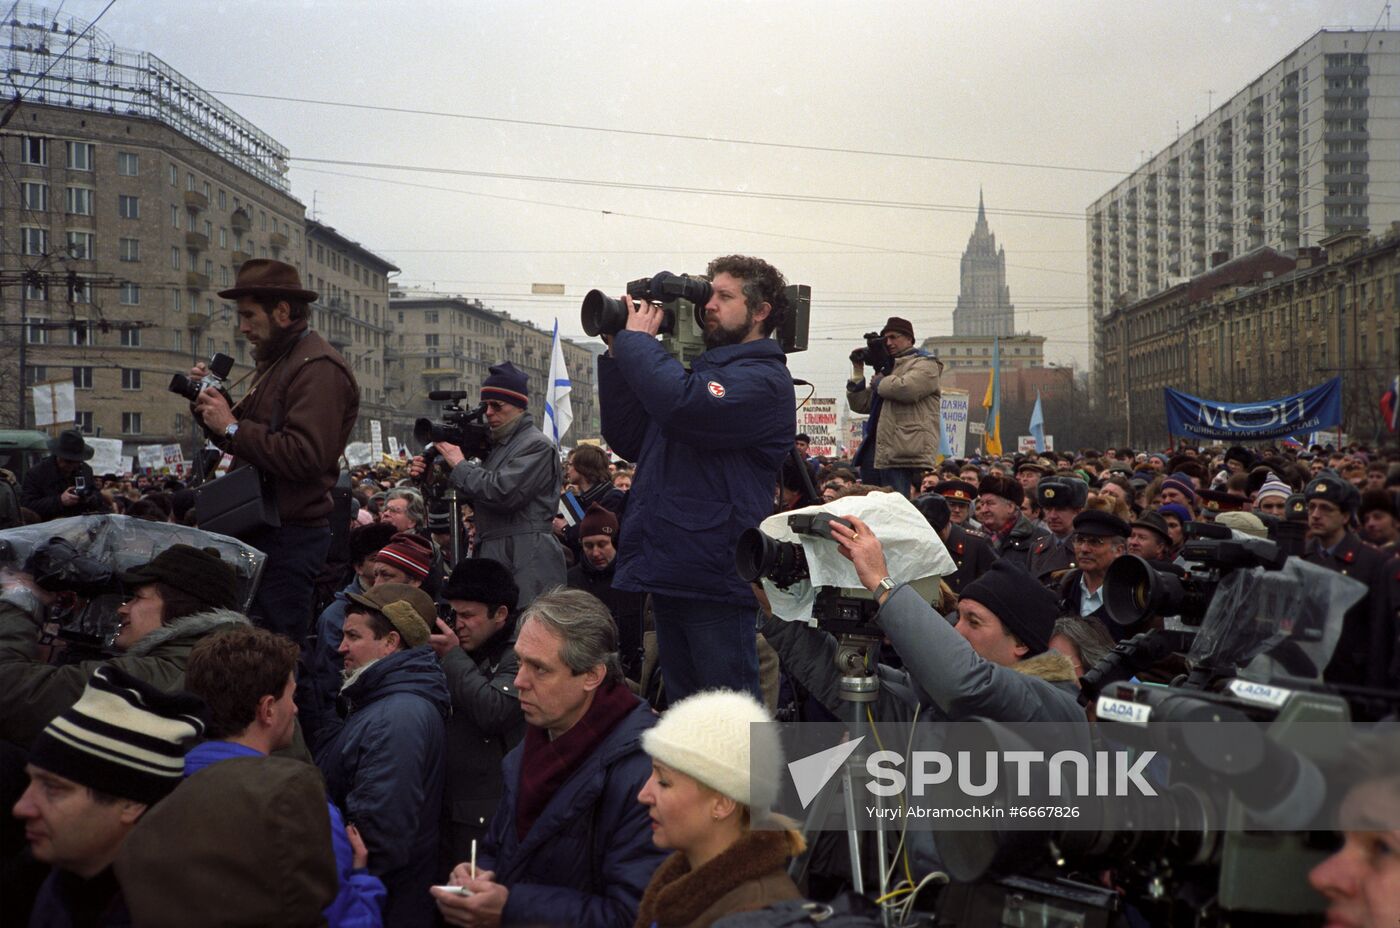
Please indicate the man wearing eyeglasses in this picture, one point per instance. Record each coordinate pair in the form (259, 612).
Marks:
(1099, 539)
(514, 490)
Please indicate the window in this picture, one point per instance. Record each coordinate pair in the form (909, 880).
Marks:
(130, 294)
(35, 197)
(225, 278)
(82, 378)
(80, 332)
(129, 249)
(128, 163)
(174, 216)
(83, 420)
(189, 182)
(431, 318)
(131, 378)
(432, 341)
(206, 190)
(35, 374)
(174, 176)
(36, 291)
(128, 207)
(131, 338)
(175, 257)
(37, 330)
(180, 342)
(79, 155)
(180, 425)
(223, 237)
(34, 241)
(131, 423)
(33, 150)
(80, 246)
(223, 199)
(175, 301)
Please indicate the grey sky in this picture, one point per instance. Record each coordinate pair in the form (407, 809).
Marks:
(1090, 85)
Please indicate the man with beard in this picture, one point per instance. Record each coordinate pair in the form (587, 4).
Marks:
(901, 439)
(594, 574)
(291, 425)
(708, 444)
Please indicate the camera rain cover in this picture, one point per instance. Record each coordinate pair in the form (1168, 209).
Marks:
(912, 548)
(1255, 611)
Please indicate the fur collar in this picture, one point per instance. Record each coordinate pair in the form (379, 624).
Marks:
(677, 895)
(194, 625)
(1050, 666)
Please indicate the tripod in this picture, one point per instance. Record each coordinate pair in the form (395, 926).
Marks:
(859, 689)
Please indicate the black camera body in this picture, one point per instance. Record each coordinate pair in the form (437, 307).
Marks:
(219, 367)
(874, 354)
(603, 315)
(465, 428)
(82, 489)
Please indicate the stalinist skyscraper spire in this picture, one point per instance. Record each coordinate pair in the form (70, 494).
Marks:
(984, 303)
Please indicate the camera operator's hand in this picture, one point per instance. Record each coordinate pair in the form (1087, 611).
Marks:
(858, 358)
(859, 545)
(213, 410)
(199, 371)
(643, 317)
(416, 467)
(70, 498)
(444, 640)
(450, 453)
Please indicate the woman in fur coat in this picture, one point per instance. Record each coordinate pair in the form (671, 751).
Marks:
(704, 806)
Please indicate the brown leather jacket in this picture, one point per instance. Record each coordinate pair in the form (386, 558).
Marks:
(293, 425)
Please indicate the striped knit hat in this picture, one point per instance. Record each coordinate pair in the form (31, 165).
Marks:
(123, 737)
(508, 383)
(1274, 487)
(408, 553)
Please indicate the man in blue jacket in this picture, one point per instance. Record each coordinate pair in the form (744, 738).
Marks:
(708, 444)
(386, 766)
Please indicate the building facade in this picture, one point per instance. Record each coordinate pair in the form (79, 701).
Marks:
(974, 352)
(984, 301)
(1262, 326)
(1309, 149)
(352, 312)
(443, 342)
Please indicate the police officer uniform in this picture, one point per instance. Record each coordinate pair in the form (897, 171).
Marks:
(960, 491)
(1052, 556)
(1364, 652)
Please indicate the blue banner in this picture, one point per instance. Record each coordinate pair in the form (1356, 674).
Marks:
(1318, 408)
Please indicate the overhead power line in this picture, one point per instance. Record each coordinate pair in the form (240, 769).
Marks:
(716, 139)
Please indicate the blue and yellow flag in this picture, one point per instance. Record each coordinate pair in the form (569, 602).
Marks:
(992, 403)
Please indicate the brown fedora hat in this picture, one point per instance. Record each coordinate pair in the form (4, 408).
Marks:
(263, 276)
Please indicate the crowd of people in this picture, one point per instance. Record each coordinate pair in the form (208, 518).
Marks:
(534, 706)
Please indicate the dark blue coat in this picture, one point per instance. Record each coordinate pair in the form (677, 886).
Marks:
(318, 684)
(708, 446)
(386, 768)
(588, 857)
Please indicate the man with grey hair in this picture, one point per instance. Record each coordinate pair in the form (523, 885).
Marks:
(569, 843)
(404, 509)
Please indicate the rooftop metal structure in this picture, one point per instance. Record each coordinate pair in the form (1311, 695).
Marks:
(64, 61)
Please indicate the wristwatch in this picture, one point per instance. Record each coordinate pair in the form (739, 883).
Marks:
(230, 430)
(885, 586)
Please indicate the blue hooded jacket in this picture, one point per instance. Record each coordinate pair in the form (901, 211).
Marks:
(360, 899)
(708, 446)
(318, 684)
(386, 769)
(589, 856)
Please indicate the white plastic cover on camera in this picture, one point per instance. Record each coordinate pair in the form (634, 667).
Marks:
(912, 548)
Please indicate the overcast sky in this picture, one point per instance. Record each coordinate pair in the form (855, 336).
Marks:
(1050, 85)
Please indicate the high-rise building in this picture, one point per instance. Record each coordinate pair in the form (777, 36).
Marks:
(128, 198)
(984, 301)
(1308, 150)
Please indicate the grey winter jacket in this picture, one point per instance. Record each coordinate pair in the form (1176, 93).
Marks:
(515, 492)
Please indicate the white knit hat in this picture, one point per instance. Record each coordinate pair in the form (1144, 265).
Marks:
(711, 736)
(1273, 487)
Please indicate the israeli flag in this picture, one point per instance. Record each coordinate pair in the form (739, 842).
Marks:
(558, 410)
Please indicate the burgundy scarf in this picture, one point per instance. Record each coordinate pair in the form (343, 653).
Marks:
(545, 764)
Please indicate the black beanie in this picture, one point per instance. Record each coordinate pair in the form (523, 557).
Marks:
(482, 580)
(935, 509)
(1026, 609)
(368, 539)
(200, 572)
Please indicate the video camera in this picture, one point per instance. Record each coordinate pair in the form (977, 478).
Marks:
(465, 428)
(683, 298)
(874, 354)
(88, 593)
